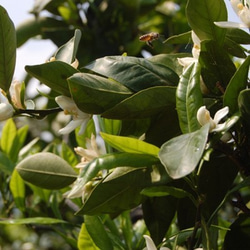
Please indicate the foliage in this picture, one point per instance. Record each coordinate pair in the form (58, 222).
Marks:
(151, 159)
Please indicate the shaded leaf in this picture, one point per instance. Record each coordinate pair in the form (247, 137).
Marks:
(134, 73)
(46, 170)
(53, 74)
(34, 220)
(181, 154)
(143, 104)
(95, 94)
(7, 49)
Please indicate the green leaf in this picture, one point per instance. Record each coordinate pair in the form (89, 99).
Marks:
(97, 232)
(181, 154)
(46, 170)
(134, 73)
(95, 94)
(68, 155)
(85, 241)
(67, 52)
(201, 18)
(120, 190)
(111, 161)
(189, 98)
(34, 220)
(236, 85)
(130, 145)
(54, 75)
(143, 104)
(17, 188)
(7, 50)
(238, 35)
(244, 107)
(165, 191)
(217, 67)
(6, 165)
(234, 49)
(183, 38)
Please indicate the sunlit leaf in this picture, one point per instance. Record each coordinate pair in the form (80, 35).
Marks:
(189, 98)
(34, 220)
(7, 50)
(181, 154)
(46, 170)
(130, 145)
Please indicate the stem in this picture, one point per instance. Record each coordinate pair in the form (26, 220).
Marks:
(39, 114)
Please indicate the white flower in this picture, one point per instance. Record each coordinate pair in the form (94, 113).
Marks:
(203, 117)
(79, 118)
(150, 244)
(6, 109)
(241, 8)
(15, 93)
(88, 154)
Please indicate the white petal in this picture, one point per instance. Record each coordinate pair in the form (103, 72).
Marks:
(195, 38)
(230, 25)
(149, 243)
(65, 102)
(70, 127)
(186, 61)
(84, 124)
(6, 111)
(220, 114)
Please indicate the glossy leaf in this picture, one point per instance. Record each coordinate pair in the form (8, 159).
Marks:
(95, 94)
(181, 154)
(97, 232)
(201, 18)
(143, 104)
(85, 241)
(130, 145)
(134, 73)
(53, 74)
(46, 170)
(34, 220)
(17, 188)
(111, 161)
(7, 49)
(236, 85)
(189, 98)
(67, 52)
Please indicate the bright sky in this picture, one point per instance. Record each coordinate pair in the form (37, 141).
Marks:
(35, 51)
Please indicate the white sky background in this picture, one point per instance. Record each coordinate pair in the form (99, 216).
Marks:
(37, 51)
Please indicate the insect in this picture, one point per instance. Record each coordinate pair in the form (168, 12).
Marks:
(148, 38)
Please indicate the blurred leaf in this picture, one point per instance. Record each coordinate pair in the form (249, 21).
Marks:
(85, 241)
(68, 155)
(67, 52)
(134, 73)
(130, 145)
(181, 154)
(244, 107)
(143, 104)
(34, 220)
(238, 235)
(158, 215)
(7, 50)
(17, 188)
(201, 18)
(189, 98)
(95, 94)
(184, 38)
(238, 35)
(110, 161)
(217, 67)
(236, 85)
(234, 49)
(6, 165)
(46, 170)
(97, 232)
(53, 74)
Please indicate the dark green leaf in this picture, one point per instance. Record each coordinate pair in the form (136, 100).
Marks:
(181, 154)
(134, 73)
(97, 232)
(201, 18)
(95, 94)
(189, 98)
(236, 85)
(143, 104)
(244, 107)
(7, 50)
(46, 170)
(217, 67)
(238, 35)
(234, 49)
(54, 75)
(6, 165)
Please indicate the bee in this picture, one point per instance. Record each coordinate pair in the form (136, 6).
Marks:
(148, 38)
